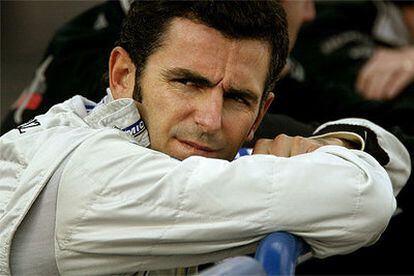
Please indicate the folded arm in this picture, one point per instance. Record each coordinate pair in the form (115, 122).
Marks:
(142, 210)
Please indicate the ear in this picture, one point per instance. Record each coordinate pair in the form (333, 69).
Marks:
(265, 106)
(121, 74)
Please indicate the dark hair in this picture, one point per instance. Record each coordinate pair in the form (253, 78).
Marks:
(147, 22)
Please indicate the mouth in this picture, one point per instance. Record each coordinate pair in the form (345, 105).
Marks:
(198, 149)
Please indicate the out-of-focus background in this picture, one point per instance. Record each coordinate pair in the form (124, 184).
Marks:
(26, 28)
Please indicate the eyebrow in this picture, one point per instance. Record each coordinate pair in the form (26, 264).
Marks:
(198, 79)
(181, 73)
(247, 94)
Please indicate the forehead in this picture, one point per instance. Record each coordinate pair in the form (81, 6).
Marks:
(239, 63)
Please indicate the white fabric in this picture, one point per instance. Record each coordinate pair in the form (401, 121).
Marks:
(399, 167)
(122, 207)
(33, 247)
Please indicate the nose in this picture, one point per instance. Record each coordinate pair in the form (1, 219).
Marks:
(209, 113)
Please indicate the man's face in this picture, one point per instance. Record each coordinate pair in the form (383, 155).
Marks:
(201, 92)
(298, 12)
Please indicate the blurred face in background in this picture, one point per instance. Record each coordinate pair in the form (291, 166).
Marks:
(408, 15)
(298, 12)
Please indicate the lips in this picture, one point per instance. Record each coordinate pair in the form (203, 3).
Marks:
(197, 146)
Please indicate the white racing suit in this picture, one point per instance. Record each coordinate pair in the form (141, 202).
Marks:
(117, 206)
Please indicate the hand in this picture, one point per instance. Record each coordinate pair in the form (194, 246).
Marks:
(386, 74)
(287, 146)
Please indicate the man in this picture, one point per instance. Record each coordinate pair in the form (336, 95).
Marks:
(140, 181)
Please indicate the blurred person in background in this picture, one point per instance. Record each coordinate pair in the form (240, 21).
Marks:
(356, 59)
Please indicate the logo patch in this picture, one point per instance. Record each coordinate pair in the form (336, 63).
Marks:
(136, 128)
(29, 124)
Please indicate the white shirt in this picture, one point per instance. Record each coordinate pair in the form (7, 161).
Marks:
(122, 207)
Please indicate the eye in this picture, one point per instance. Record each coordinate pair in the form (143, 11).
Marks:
(237, 98)
(187, 82)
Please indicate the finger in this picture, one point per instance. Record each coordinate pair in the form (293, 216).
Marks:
(372, 69)
(378, 86)
(299, 146)
(397, 85)
(262, 146)
(306, 145)
(364, 77)
(281, 146)
(361, 79)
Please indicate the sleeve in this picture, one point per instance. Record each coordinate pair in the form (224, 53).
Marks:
(376, 141)
(122, 207)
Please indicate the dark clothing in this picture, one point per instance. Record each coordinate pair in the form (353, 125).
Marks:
(332, 50)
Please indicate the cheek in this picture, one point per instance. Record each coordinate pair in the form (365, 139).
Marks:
(237, 127)
(163, 102)
(166, 113)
